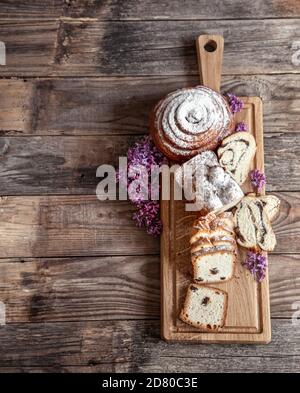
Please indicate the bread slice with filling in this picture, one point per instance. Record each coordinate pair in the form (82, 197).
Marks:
(271, 204)
(253, 226)
(205, 307)
(235, 155)
(213, 267)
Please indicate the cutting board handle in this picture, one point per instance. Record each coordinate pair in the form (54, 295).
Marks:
(210, 56)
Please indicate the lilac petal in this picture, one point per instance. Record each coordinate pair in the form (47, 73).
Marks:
(241, 127)
(145, 153)
(258, 179)
(236, 105)
(257, 264)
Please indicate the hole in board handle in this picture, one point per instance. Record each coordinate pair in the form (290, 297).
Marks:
(210, 46)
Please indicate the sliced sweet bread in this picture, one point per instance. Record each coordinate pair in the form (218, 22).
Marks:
(207, 235)
(271, 205)
(224, 220)
(235, 155)
(213, 228)
(213, 267)
(253, 227)
(208, 240)
(213, 221)
(205, 307)
(203, 246)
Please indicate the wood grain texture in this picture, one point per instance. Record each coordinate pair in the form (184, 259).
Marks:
(68, 164)
(95, 106)
(64, 165)
(80, 289)
(41, 226)
(111, 288)
(70, 225)
(40, 9)
(149, 9)
(284, 283)
(30, 46)
(192, 9)
(86, 47)
(210, 50)
(135, 346)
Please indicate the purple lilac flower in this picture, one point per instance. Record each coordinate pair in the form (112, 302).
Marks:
(257, 264)
(147, 215)
(235, 104)
(258, 179)
(241, 127)
(144, 153)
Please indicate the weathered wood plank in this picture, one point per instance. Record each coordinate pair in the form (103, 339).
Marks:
(95, 106)
(41, 9)
(69, 225)
(64, 165)
(67, 165)
(149, 9)
(284, 284)
(85, 47)
(30, 46)
(287, 224)
(281, 149)
(42, 226)
(80, 289)
(59, 369)
(128, 346)
(191, 9)
(111, 288)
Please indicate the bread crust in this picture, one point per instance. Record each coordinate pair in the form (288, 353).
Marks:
(198, 247)
(204, 327)
(207, 235)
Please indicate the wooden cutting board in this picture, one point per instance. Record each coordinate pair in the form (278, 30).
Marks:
(248, 316)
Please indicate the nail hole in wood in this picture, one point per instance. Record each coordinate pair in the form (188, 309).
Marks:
(210, 46)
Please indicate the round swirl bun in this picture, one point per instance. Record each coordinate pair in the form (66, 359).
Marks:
(189, 121)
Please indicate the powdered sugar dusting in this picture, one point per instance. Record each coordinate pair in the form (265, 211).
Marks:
(214, 188)
(192, 119)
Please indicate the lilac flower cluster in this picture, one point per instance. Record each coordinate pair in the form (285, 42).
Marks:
(241, 127)
(147, 215)
(258, 179)
(145, 154)
(235, 104)
(257, 264)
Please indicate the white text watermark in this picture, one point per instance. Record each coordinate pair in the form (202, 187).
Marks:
(2, 314)
(2, 53)
(138, 183)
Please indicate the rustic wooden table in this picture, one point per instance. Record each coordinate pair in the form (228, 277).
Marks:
(79, 281)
